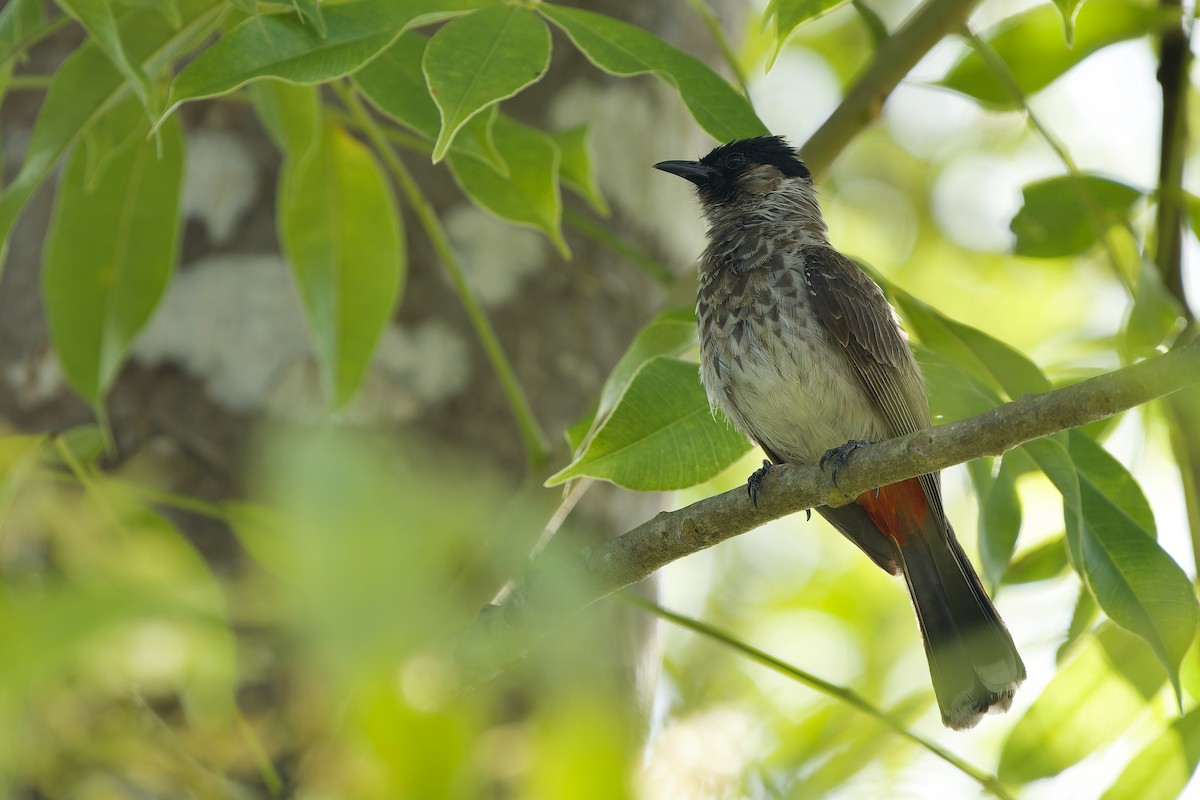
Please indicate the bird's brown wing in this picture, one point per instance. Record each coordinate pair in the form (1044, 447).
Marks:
(855, 312)
(857, 315)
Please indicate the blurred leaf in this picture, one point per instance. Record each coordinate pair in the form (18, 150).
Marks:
(953, 393)
(97, 19)
(310, 13)
(110, 251)
(989, 360)
(528, 194)
(1043, 562)
(661, 434)
(1068, 9)
(791, 14)
(1155, 318)
(44, 633)
(395, 83)
(110, 136)
(283, 46)
(477, 60)
(623, 49)
(291, 113)
(1137, 584)
(1031, 44)
(168, 8)
(578, 167)
(1094, 698)
(867, 740)
(341, 232)
(1083, 616)
(18, 19)
(87, 85)
(1165, 766)
(1058, 216)
(263, 532)
(18, 455)
(999, 521)
(585, 752)
(85, 443)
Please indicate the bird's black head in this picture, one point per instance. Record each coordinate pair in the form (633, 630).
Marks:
(746, 165)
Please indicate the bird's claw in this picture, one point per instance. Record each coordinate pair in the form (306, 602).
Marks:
(838, 455)
(754, 482)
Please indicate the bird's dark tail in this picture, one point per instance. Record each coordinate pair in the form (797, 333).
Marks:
(974, 665)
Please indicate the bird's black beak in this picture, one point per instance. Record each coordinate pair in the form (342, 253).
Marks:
(694, 171)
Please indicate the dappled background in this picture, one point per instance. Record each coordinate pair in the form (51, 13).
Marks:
(251, 498)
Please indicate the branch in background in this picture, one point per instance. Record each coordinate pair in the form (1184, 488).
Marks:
(554, 589)
(840, 693)
(1174, 63)
(1183, 411)
(863, 104)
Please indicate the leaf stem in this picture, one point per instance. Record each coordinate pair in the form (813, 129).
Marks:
(532, 438)
(840, 693)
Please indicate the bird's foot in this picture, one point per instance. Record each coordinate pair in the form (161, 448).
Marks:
(837, 456)
(754, 482)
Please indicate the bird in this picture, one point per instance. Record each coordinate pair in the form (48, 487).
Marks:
(802, 352)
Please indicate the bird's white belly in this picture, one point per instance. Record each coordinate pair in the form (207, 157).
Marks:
(798, 399)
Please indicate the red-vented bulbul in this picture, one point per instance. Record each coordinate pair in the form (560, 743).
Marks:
(804, 355)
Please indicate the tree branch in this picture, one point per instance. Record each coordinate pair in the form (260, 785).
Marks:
(863, 104)
(557, 587)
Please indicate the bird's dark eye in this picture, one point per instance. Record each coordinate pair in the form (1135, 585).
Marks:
(734, 161)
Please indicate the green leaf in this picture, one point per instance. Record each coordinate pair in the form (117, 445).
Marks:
(669, 334)
(578, 169)
(994, 363)
(283, 46)
(110, 136)
(395, 83)
(1165, 766)
(168, 8)
(528, 194)
(18, 456)
(1040, 563)
(623, 49)
(110, 251)
(1068, 9)
(1137, 584)
(999, 520)
(97, 19)
(18, 19)
(1031, 44)
(1059, 216)
(310, 14)
(953, 393)
(660, 436)
(1052, 457)
(87, 85)
(480, 59)
(341, 232)
(291, 113)
(1083, 617)
(1093, 699)
(791, 14)
(1155, 318)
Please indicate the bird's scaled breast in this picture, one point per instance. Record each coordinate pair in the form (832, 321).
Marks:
(768, 362)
